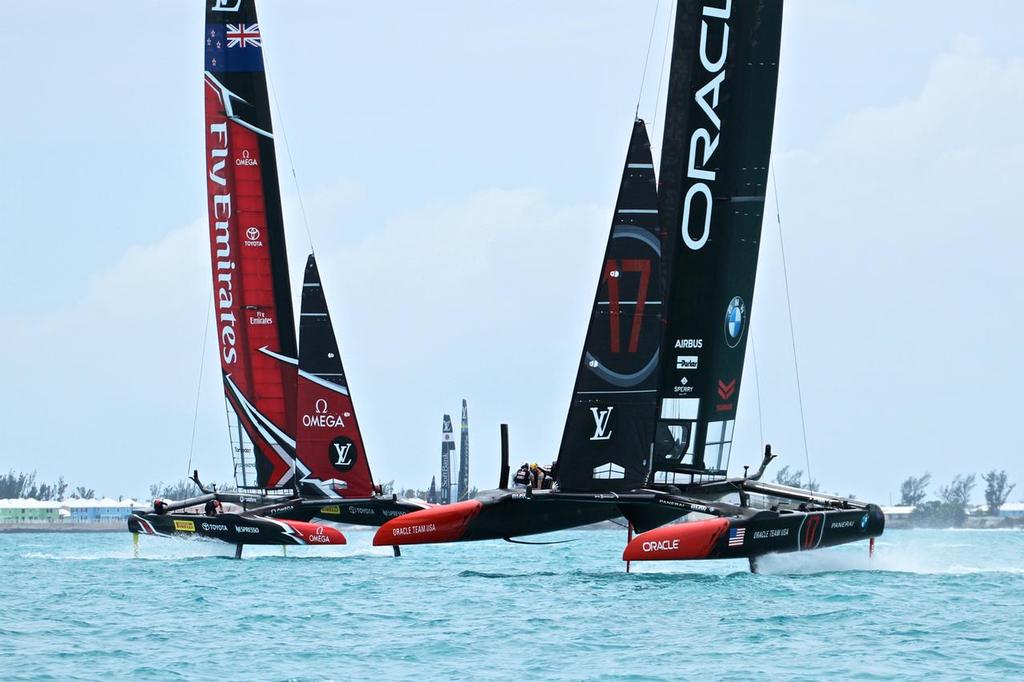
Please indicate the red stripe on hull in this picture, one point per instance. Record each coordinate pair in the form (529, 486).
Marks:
(446, 523)
(691, 540)
(316, 534)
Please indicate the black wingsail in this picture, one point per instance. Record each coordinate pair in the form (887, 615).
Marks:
(714, 167)
(607, 437)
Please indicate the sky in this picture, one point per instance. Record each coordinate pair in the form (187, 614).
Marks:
(458, 163)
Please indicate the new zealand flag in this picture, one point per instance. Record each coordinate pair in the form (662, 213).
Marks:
(233, 47)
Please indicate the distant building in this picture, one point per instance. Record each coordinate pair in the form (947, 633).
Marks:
(104, 510)
(29, 511)
(99, 511)
(1013, 510)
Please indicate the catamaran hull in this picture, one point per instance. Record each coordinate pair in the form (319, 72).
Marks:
(236, 529)
(502, 516)
(359, 511)
(763, 533)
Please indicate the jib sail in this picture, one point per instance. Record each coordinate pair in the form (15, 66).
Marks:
(331, 457)
(714, 167)
(254, 317)
(606, 444)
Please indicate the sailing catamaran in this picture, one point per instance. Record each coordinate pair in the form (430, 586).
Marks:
(650, 426)
(297, 449)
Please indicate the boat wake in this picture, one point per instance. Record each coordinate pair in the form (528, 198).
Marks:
(893, 559)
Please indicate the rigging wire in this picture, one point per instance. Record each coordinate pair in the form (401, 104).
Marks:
(287, 148)
(647, 58)
(661, 76)
(792, 333)
(757, 386)
(199, 386)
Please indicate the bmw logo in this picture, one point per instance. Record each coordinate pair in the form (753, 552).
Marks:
(735, 316)
(864, 522)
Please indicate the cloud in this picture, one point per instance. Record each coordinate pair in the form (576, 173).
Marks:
(903, 242)
(485, 297)
(902, 239)
(476, 297)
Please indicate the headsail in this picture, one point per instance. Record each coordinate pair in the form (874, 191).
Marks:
(714, 167)
(329, 447)
(255, 321)
(606, 442)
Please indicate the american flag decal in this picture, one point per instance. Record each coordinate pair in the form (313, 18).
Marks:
(240, 35)
(736, 536)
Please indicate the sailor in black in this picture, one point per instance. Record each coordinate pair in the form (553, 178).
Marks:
(522, 477)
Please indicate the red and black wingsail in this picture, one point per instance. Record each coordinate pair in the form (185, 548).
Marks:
(254, 317)
(606, 444)
(714, 167)
(329, 447)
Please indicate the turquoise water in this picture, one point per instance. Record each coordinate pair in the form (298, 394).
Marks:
(932, 604)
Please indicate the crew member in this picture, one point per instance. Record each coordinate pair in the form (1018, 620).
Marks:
(522, 477)
(538, 476)
(160, 507)
(213, 508)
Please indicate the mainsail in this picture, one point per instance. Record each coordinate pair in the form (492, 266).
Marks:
(464, 455)
(254, 317)
(608, 432)
(714, 167)
(329, 446)
(447, 447)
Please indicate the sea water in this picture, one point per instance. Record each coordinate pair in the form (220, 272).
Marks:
(931, 605)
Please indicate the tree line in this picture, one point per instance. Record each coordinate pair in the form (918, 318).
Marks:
(950, 507)
(18, 485)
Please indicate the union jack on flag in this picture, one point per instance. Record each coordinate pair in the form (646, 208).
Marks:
(240, 35)
(736, 536)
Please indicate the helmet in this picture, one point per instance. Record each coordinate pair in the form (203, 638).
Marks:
(533, 466)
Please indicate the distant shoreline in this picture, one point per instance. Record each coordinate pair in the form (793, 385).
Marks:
(104, 527)
(122, 526)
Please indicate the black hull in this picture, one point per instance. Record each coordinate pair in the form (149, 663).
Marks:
(375, 511)
(763, 532)
(516, 515)
(236, 529)
(502, 514)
